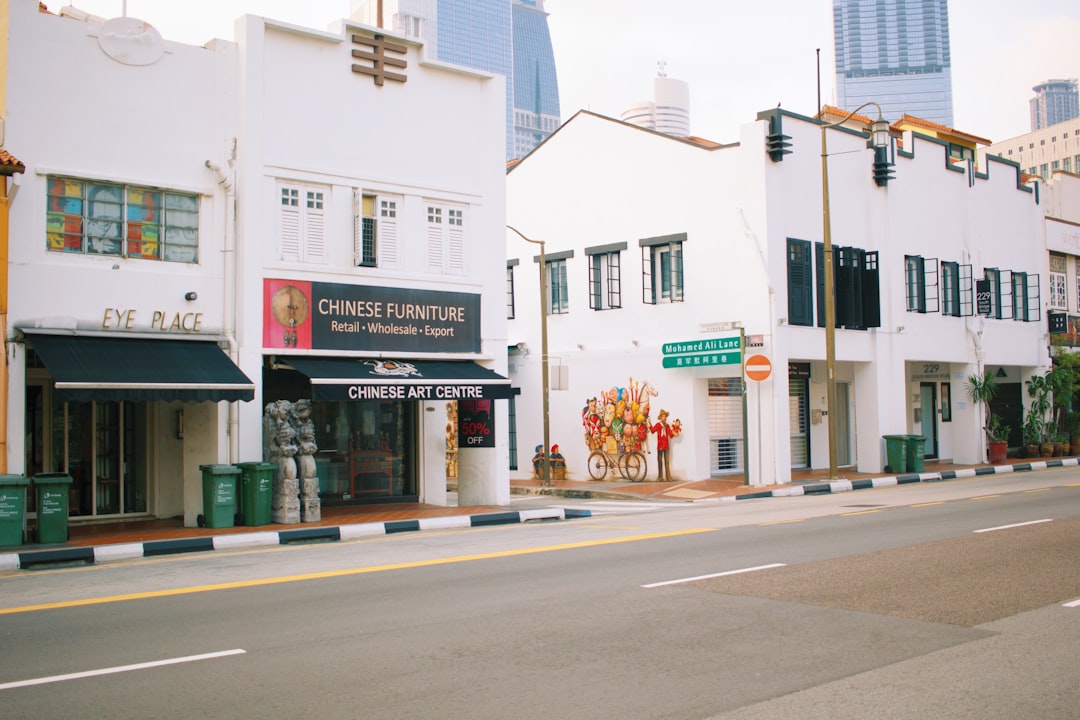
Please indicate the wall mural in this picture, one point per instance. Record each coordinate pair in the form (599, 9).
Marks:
(617, 425)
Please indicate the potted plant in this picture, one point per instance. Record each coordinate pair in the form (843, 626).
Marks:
(1072, 422)
(1040, 388)
(982, 389)
(1032, 432)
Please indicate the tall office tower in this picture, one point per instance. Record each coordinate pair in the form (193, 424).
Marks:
(506, 37)
(1055, 101)
(669, 110)
(894, 53)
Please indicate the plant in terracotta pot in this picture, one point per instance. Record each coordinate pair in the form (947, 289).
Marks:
(982, 389)
(1032, 433)
(1072, 424)
(1040, 388)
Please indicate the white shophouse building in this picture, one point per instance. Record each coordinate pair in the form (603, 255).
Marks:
(194, 222)
(660, 252)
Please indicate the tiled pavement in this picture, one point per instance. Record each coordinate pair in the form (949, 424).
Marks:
(96, 542)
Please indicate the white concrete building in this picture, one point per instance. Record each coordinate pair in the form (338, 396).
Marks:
(194, 222)
(1061, 204)
(1043, 152)
(659, 249)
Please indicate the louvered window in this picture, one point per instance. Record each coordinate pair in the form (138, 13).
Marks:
(445, 240)
(374, 231)
(302, 224)
(800, 283)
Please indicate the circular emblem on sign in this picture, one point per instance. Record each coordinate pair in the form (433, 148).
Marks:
(758, 367)
(290, 306)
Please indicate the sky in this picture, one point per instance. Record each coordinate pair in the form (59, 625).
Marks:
(739, 57)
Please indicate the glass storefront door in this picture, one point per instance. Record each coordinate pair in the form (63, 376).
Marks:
(366, 450)
(101, 445)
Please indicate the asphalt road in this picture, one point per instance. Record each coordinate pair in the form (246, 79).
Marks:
(947, 601)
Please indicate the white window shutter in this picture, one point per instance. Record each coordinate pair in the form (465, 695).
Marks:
(455, 256)
(290, 233)
(315, 236)
(435, 249)
(358, 230)
(388, 241)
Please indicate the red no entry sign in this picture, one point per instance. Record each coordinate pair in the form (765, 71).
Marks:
(758, 367)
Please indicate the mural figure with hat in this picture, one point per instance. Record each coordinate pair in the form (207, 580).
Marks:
(664, 434)
(558, 464)
(538, 461)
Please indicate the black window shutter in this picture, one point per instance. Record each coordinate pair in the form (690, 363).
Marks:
(871, 291)
(800, 283)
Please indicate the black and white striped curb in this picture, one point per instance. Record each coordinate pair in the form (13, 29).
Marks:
(839, 486)
(153, 548)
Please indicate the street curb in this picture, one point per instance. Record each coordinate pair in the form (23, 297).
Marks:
(826, 488)
(157, 548)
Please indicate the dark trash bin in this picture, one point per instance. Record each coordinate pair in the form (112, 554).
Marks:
(896, 453)
(51, 492)
(256, 492)
(219, 495)
(13, 509)
(916, 453)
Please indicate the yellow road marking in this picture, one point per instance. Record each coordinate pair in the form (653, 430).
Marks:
(1035, 490)
(860, 512)
(781, 522)
(939, 502)
(985, 497)
(340, 573)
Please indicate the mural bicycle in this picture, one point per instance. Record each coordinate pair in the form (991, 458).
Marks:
(617, 427)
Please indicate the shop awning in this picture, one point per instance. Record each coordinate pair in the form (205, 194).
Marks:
(362, 379)
(105, 368)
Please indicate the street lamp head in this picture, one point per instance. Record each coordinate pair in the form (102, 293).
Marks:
(879, 133)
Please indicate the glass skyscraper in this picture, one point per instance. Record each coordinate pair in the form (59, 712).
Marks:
(1055, 101)
(506, 37)
(894, 53)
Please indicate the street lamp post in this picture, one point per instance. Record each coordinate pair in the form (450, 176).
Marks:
(879, 137)
(546, 462)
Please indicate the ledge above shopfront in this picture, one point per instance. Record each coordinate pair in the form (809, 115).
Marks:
(343, 378)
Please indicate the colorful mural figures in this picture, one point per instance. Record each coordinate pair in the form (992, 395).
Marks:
(664, 433)
(616, 428)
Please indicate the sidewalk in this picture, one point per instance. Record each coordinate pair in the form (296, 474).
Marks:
(91, 542)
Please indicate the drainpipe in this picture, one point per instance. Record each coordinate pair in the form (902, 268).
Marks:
(228, 320)
(8, 167)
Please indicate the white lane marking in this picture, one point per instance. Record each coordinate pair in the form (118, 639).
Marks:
(1074, 603)
(714, 575)
(1006, 527)
(119, 669)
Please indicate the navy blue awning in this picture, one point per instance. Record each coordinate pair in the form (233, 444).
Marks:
(338, 378)
(106, 368)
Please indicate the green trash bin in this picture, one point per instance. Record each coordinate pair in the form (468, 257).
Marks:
(896, 453)
(256, 491)
(12, 509)
(51, 492)
(916, 452)
(219, 495)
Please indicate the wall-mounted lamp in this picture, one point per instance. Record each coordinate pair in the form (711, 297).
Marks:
(580, 346)
(191, 296)
(179, 424)
(634, 343)
(899, 328)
